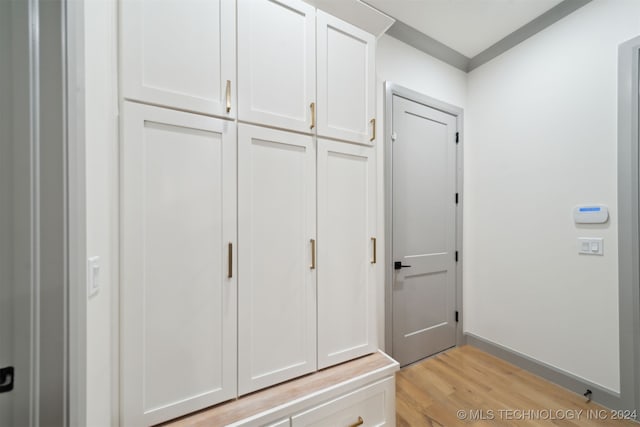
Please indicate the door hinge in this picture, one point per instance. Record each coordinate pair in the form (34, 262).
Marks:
(456, 198)
(456, 315)
(456, 256)
(457, 137)
(6, 379)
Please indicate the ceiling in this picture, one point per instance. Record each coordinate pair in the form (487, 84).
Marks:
(466, 26)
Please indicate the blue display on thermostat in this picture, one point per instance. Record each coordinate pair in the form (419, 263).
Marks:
(595, 209)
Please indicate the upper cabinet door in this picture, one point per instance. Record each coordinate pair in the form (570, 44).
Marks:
(180, 54)
(346, 81)
(178, 270)
(347, 257)
(277, 63)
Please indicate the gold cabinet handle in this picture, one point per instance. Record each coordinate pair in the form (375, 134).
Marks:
(313, 254)
(228, 96)
(358, 423)
(313, 114)
(375, 255)
(230, 261)
(373, 125)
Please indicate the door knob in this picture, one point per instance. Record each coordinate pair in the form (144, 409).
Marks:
(6, 379)
(398, 265)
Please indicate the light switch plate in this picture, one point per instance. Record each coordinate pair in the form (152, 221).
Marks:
(93, 276)
(590, 245)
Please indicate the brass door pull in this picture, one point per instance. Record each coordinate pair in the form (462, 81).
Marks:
(230, 261)
(228, 96)
(358, 423)
(313, 254)
(375, 255)
(373, 125)
(313, 114)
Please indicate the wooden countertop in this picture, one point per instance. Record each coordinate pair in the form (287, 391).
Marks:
(295, 395)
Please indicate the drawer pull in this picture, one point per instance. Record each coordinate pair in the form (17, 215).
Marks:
(373, 126)
(313, 114)
(228, 96)
(359, 423)
(313, 254)
(375, 255)
(230, 261)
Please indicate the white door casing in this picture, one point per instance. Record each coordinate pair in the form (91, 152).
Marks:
(277, 286)
(180, 54)
(178, 301)
(346, 271)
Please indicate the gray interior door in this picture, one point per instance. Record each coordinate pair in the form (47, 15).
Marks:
(424, 230)
(15, 217)
(32, 214)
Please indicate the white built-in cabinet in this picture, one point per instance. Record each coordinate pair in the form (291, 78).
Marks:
(346, 81)
(347, 251)
(227, 286)
(304, 70)
(277, 234)
(180, 54)
(277, 63)
(178, 279)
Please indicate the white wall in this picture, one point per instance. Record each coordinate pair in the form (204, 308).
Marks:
(400, 63)
(540, 139)
(101, 100)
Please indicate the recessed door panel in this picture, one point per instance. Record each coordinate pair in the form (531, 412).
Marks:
(180, 54)
(276, 63)
(346, 81)
(178, 299)
(347, 241)
(277, 318)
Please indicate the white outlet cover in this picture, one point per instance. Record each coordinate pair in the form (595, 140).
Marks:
(591, 245)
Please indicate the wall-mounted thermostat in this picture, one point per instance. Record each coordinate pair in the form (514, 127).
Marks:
(591, 214)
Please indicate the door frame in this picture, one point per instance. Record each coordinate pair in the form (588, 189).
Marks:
(629, 222)
(390, 90)
(74, 36)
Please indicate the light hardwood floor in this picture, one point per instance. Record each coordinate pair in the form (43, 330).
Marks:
(489, 392)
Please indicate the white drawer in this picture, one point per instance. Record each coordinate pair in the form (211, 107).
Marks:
(374, 405)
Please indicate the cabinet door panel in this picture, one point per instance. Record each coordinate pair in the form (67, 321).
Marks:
(276, 63)
(179, 53)
(346, 272)
(276, 207)
(346, 80)
(179, 305)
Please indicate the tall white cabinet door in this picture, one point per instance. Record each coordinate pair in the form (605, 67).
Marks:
(347, 251)
(276, 63)
(179, 297)
(277, 287)
(346, 81)
(180, 54)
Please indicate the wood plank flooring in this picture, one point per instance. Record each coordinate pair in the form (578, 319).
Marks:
(488, 392)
